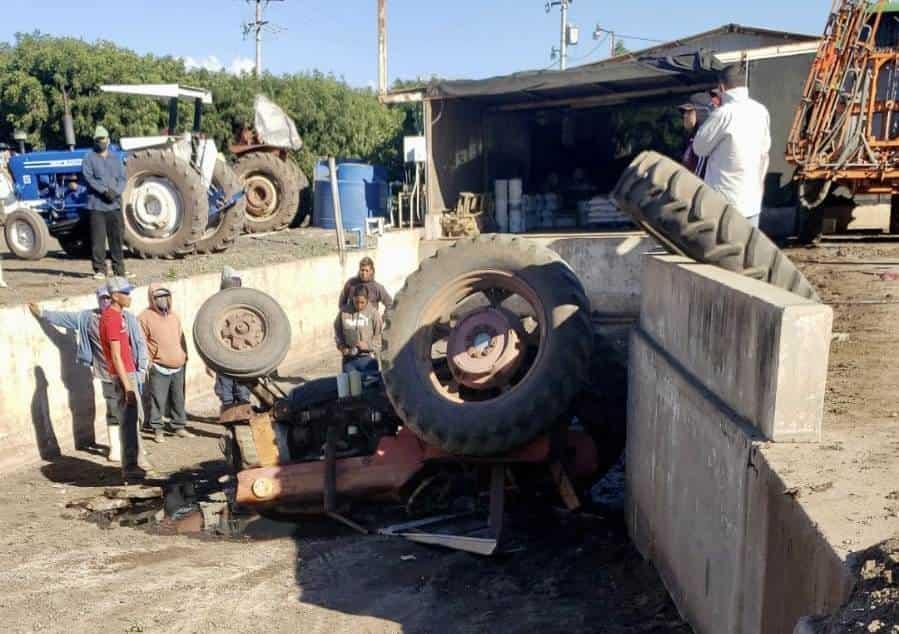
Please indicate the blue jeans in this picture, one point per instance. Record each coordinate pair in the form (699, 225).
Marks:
(230, 391)
(364, 364)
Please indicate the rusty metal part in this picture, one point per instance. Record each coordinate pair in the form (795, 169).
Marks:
(241, 328)
(485, 349)
(262, 196)
(846, 128)
(237, 413)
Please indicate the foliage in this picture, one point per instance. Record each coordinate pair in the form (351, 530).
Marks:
(621, 48)
(332, 117)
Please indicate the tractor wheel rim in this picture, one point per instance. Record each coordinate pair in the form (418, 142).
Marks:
(480, 336)
(484, 349)
(23, 235)
(156, 209)
(262, 196)
(241, 329)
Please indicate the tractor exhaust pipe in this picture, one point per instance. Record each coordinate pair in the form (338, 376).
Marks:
(68, 125)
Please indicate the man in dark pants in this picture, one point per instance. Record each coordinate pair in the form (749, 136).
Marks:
(168, 358)
(229, 391)
(105, 176)
(357, 333)
(377, 294)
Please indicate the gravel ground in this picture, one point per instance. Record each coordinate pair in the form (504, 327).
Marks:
(57, 275)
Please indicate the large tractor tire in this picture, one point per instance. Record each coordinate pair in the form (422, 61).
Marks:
(164, 203)
(242, 332)
(26, 234)
(273, 190)
(486, 345)
(222, 229)
(690, 218)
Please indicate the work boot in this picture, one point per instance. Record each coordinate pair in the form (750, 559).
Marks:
(183, 433)
(158, 436)
(115, 444)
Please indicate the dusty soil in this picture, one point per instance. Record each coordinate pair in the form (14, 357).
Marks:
(57, 275)
(61, 573)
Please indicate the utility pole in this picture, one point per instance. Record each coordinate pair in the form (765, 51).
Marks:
(568, 32)
(256, 27)
(382, 47)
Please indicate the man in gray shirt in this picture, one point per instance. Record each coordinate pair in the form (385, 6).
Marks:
(105, 176)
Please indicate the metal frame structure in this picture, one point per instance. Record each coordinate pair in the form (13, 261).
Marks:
(846, 129)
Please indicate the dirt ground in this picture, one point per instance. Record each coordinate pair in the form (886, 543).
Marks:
(57, 275)
(59, 572)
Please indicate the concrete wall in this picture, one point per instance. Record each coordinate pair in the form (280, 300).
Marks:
(609, 265)
(718, 364)
(50, 404)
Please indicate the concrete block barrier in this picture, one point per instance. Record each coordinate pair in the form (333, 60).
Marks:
(718, 365)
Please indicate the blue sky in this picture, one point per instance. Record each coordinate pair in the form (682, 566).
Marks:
(457, 39)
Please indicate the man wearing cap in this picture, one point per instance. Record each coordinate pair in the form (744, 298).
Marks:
(121, 392)
(168, 355)
(736, 140)
(694, 113)
(86, 323)
(105, 176)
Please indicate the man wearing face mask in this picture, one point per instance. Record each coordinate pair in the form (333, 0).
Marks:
(104, 173)
(86, 323)
(168, 357)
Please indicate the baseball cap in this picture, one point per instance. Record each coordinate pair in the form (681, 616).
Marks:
(102, 292)
(119, 285)
(697, 101)
(101, 133)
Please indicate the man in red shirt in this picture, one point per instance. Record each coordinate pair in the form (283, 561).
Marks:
(122, 402)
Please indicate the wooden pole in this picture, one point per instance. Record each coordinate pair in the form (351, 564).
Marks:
(338, 216)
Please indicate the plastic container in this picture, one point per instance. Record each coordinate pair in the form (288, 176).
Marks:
(363, 191)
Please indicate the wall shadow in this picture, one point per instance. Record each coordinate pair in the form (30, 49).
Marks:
(78, 382)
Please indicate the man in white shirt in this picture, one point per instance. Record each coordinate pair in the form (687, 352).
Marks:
(735, 141)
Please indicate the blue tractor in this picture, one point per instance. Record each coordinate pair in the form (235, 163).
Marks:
(181, 196)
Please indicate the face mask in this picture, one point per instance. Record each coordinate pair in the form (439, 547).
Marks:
(162, 303)
(104, 303)
(102, 145)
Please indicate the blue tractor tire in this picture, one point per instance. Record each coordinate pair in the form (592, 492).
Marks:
(26, 234)
(164, 204)
(223, 229)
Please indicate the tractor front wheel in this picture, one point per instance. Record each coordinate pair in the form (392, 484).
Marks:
(26, 234)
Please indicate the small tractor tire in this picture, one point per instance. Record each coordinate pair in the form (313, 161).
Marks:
(26, 234)
(273, 190)
(224, 234)
(690, 218)
(516, 412)
(178, 190)
(242, 333)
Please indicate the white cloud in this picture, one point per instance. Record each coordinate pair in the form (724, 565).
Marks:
(238, 65)
(241, 65)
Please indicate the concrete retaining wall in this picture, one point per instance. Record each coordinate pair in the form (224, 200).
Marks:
(719, 364)
(50, 404)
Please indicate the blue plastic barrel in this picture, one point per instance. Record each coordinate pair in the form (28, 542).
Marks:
(363, 191)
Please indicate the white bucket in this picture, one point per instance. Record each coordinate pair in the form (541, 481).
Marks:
(515, 191)
(501, 202)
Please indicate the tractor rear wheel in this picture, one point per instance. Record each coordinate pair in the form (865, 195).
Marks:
(223, 228)
(486, 345)
(690, 218)
(165, 205)
(273, 190)
(26, 234)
